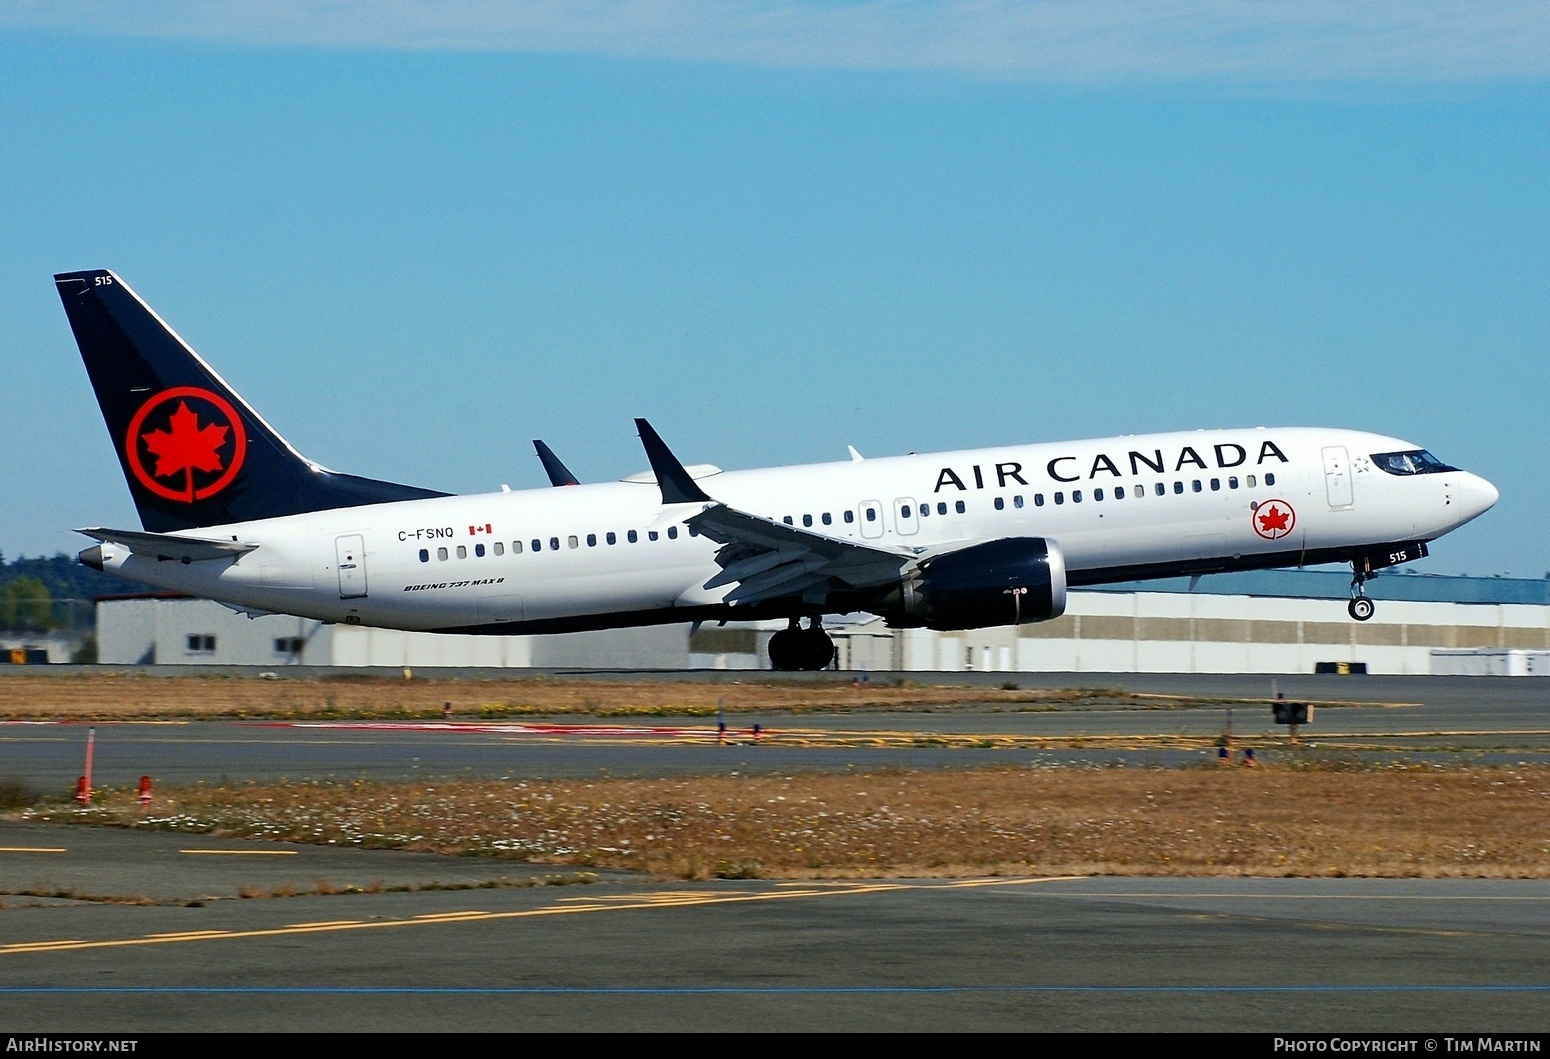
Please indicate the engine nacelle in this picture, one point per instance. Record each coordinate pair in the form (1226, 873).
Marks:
(1012, 581)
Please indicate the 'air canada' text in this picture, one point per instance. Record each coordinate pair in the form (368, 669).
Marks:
(1075, 469)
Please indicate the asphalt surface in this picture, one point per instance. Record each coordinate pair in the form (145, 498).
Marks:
(120, 931)
(1453, 719)
(625, 953)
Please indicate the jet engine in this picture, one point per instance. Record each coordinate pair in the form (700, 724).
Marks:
(1012, 581)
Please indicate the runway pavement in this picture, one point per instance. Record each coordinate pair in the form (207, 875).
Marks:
(627, 953)
(1465, 720)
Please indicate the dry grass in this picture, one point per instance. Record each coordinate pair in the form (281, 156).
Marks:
(108, 697)
(1413, 821)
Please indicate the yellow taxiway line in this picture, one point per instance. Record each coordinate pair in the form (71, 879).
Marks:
(679, 899)
(32, 849)
(243, 852)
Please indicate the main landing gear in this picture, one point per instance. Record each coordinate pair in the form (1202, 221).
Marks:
(798, 648)
(1361, 608)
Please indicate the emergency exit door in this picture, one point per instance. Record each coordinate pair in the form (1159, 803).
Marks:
(871, 515)
(1337, 476)
(351, 555)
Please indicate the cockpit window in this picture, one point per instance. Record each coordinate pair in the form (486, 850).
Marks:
(1417, 461)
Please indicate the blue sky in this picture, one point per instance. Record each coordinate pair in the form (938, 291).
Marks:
(415, 242)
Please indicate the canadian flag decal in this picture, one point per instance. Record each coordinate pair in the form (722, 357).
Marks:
(474, 531)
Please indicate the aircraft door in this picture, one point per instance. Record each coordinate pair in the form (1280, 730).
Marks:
(1337, 476)
(871, 515)
(904, 508)
(350, 552)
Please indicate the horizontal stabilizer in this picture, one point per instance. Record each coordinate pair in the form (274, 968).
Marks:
(169, 547)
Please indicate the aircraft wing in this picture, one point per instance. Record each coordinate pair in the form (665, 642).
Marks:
(768, 559)
(170, 547)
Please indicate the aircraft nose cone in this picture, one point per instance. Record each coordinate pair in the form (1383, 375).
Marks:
(1477, 496)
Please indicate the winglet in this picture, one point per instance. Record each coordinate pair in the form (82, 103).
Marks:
(558, 473)
(677, 486)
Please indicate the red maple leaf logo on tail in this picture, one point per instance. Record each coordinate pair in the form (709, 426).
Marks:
(186, 446)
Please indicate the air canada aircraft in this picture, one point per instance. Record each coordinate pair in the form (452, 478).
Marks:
(953, 540)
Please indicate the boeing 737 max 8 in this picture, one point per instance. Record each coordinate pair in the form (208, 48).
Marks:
(952, 540)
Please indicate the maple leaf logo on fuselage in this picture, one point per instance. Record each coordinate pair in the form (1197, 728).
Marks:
(192, 446)
(1274, 519)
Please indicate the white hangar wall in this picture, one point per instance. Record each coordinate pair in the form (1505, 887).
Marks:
(1165, 632)
(177, 631)
(1102, 632)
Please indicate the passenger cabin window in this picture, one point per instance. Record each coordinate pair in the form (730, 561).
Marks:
(651, 534)
(828, 519)
(1076, 496)
(1270, 479)
(787, 520)
(1416, 461)
(441, 553)
(592, 540)
(1017, 501)
(1178, 487)
(516, 547)
(959, 507)
(462, 552)
(672, 533)
(1232, 483)
(500, 549)
(1060, 498)
(1038, 499)
(632, 536)
(1249, 481)
(611, 538)
(1119, 492)
(425, 555)
(554, 544)
(1000, 504)
(1195, 485)
(538, 545)
(871, 514)
(807, 520)
(1141, 491)
(850, 516)
(572, 541)
(941, 508)
(1162, 490)
(1216, 485)
(1097, 494)
(479, 550)
(925, 509)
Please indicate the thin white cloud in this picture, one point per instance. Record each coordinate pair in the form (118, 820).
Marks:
(1057, 41)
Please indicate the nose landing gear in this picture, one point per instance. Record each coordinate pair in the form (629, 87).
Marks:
(796, 648)
(1361, 608)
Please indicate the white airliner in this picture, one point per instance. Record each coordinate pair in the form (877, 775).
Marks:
(951, 540)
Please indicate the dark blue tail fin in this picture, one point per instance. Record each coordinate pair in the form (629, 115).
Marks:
(193, 451)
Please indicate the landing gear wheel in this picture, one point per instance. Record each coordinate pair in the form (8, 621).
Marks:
(798, 648)
(817, 649)
(1360, 608)
(786, 650)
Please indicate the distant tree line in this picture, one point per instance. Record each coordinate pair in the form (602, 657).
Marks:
(50, 593)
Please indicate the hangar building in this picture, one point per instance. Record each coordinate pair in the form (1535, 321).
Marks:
(1275, 621)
